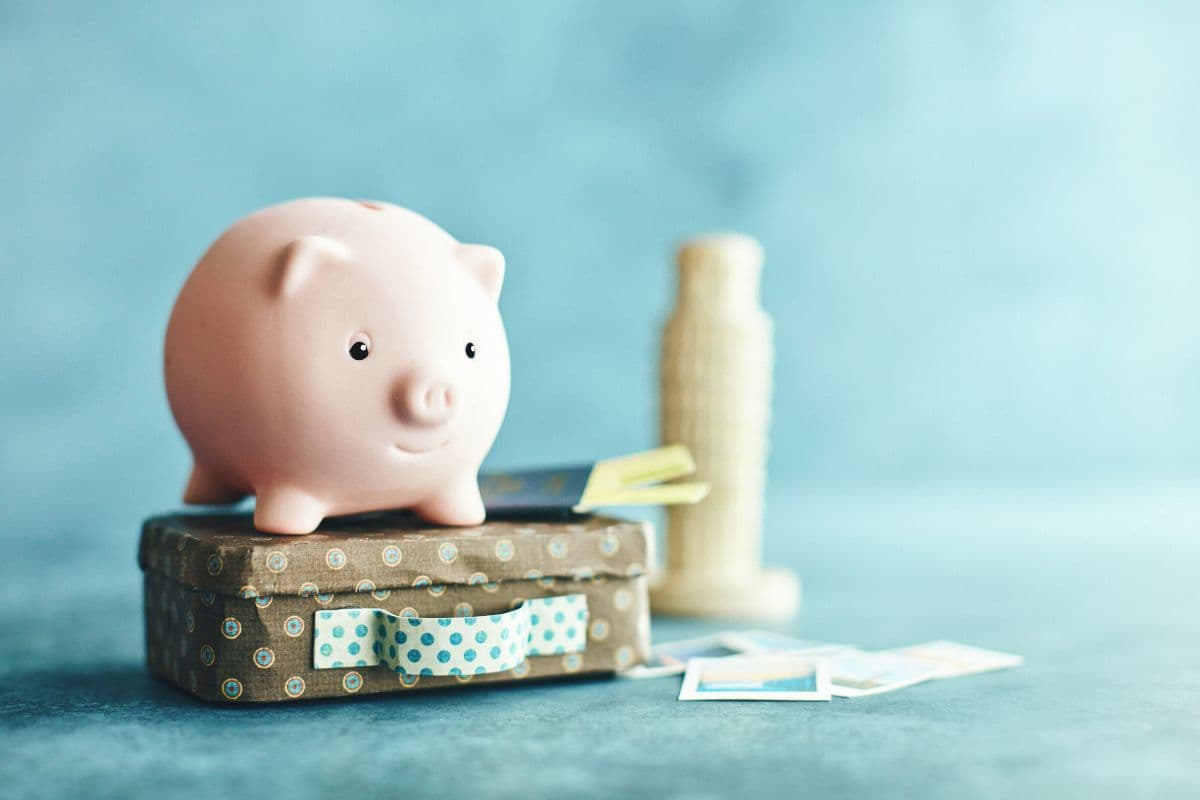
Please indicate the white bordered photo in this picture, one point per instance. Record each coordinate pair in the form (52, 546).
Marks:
(759, 641)
(671, 658)
(756, 676)
(858, 673)
(951, 659)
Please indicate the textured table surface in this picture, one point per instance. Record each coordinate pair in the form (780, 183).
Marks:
(1098, 589)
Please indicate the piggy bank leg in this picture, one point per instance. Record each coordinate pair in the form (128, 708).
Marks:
(203, 489)
(287, 511)
(458, 505)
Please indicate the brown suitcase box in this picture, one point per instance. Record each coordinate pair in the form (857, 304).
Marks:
(236, 615)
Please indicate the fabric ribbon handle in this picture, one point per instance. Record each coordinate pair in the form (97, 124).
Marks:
(369, 637)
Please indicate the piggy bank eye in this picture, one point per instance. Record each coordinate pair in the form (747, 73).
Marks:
(470, 349)
(360, 348)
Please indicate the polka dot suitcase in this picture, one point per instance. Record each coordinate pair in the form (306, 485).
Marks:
(385, 603)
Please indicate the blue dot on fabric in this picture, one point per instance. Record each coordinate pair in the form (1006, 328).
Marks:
(455, 671)
(362, 662)
(427, 638)
(581, 615)
(456, 638)
(391, 651)
(338, 631)
(548, 635)
(504, 633)
(479, 670)
(570, 633)
(494, 617)
(414, 655)
(426, 671)
(326, 649)
(414, 621)
(481, 637)
(558, 617)
(382, 630)
(494, 652)
(469, 620)
(401, 637)
(512, 649)
(354, 648)
(377, 647)
(469, 654)
(443, 656)
(444, 622)
(360, 630)
(533, 619)
(337, 664)
(326, 614)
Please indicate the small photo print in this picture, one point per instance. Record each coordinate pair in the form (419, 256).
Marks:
(756, 641)
(671, 658)
(679, 653)
(756, 676)
(859, 673)
(952, 659)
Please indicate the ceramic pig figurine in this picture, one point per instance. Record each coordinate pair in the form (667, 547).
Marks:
(334, 357)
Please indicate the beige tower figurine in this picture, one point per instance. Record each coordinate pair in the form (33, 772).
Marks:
(717, 360)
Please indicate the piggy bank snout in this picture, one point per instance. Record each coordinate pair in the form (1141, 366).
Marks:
(425, 399)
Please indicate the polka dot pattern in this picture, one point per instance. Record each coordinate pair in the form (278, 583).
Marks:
(622, 599)
(459, 646)
(293, 626)
(243, 631)
(208, 656)
(224, 556)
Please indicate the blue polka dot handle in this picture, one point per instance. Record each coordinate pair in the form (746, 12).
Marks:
(369, 637)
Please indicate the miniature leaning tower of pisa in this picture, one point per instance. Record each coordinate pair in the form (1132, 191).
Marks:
(717, 360)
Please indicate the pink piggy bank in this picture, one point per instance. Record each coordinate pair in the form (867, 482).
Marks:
(335, 357)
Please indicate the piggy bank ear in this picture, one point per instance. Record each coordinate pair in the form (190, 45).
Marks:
(486, 264)
(302, 258)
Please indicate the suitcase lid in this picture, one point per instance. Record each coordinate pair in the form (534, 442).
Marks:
(222, 553)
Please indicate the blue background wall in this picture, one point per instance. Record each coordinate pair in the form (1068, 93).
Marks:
(980, 219)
